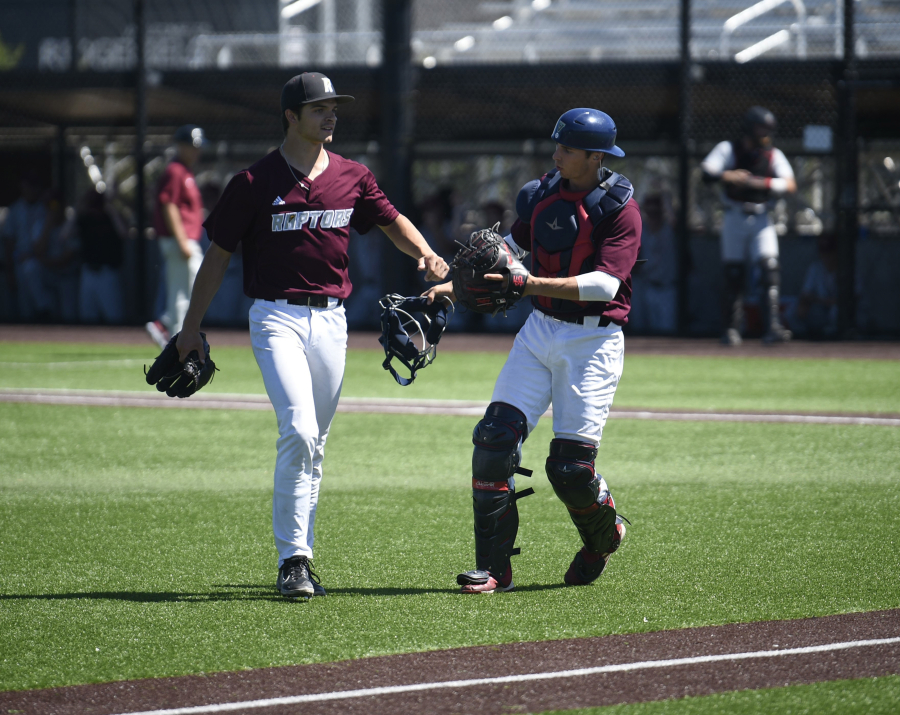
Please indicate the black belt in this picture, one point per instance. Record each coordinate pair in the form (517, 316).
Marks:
(313, 301)
(579, 319)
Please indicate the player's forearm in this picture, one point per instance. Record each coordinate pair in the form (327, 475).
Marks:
(406, 237)
(207, 282)
(565, 288)
(172, 219)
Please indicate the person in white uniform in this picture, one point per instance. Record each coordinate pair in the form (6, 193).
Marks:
(292, 211)
(753, 173)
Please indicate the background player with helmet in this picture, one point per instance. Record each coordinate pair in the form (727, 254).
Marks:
(292, 211)
(582, 227)
(752, 173)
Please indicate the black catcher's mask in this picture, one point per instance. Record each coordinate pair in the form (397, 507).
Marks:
(400, 330)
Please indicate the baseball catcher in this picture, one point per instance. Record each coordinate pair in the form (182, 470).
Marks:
(483, 258)
(180, 379)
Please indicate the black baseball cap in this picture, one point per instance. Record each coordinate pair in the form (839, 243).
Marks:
(309, 87)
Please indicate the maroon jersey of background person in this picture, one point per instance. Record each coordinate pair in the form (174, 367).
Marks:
(178, 186)
(295, 236)
(618, 241)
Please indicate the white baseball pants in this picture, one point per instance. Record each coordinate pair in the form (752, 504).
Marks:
(301, 353)
(180, 275)
(575, 367)
(747, 236)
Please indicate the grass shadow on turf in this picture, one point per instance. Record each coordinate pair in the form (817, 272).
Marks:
(261, 594)
(242, 592)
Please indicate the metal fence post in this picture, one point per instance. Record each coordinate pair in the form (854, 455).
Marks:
(140, 126)
(397, 124)
(847, 181)
(684, 170)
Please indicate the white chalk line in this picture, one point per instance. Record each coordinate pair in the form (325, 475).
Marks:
(78, 363)
(415, 687)
(400, 406)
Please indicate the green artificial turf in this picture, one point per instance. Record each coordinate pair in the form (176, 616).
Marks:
(701, 383)
(137, 542)
(868, 696)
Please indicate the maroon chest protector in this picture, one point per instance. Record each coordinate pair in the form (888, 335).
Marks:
(562, 227)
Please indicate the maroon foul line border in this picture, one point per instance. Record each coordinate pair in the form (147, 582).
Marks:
(517, 658)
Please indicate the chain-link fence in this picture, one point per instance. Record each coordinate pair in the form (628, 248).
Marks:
(490, 77)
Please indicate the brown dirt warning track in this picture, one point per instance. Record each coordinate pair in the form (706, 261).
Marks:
(516, 677)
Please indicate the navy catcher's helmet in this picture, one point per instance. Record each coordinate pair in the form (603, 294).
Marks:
(588, 129)
(758, 117)
(397, 322)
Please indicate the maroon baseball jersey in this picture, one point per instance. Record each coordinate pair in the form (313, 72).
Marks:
(617, 240)
(295, 235)
(177, 186)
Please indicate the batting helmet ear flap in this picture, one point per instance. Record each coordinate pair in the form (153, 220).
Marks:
(397, 322)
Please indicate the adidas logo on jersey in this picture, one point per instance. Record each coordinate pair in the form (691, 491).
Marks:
(278, 201)
(295, 220)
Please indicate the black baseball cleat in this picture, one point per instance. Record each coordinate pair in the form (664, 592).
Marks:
(587, 566)
(294, 578)
(484, 582)
(318, 589)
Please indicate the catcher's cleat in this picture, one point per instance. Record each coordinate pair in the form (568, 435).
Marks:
(294, 578)
(587, 566)
(484, 582)
(777, 334)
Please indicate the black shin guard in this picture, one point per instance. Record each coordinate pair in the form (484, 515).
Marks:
(771, 283)
(733, 303)
(496, 525)
(570, 469)
(498, 441)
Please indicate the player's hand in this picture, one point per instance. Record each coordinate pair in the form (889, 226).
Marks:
(444, 290)
(436, 267)
(189, 341)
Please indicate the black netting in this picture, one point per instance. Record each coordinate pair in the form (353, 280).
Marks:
(489, 82)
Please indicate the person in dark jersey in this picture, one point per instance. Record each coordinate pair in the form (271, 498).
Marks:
(583, 228)
(292, 212)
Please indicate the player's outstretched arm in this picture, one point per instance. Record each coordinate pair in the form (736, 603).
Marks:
(405, 236)
(444, 290)
(207, 282)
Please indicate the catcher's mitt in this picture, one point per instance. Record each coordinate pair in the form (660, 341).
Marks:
(179, 379)
(487, 252)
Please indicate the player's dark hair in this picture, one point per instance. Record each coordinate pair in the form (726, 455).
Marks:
(284, 121)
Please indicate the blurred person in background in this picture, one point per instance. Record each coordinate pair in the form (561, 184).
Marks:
(816, 313)
(653, 298)
(21, 230)
(753, 173)
(436, 221)
(494, 212)
(178, 221)
(58, 252)
(230, 306)
(101, 232)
